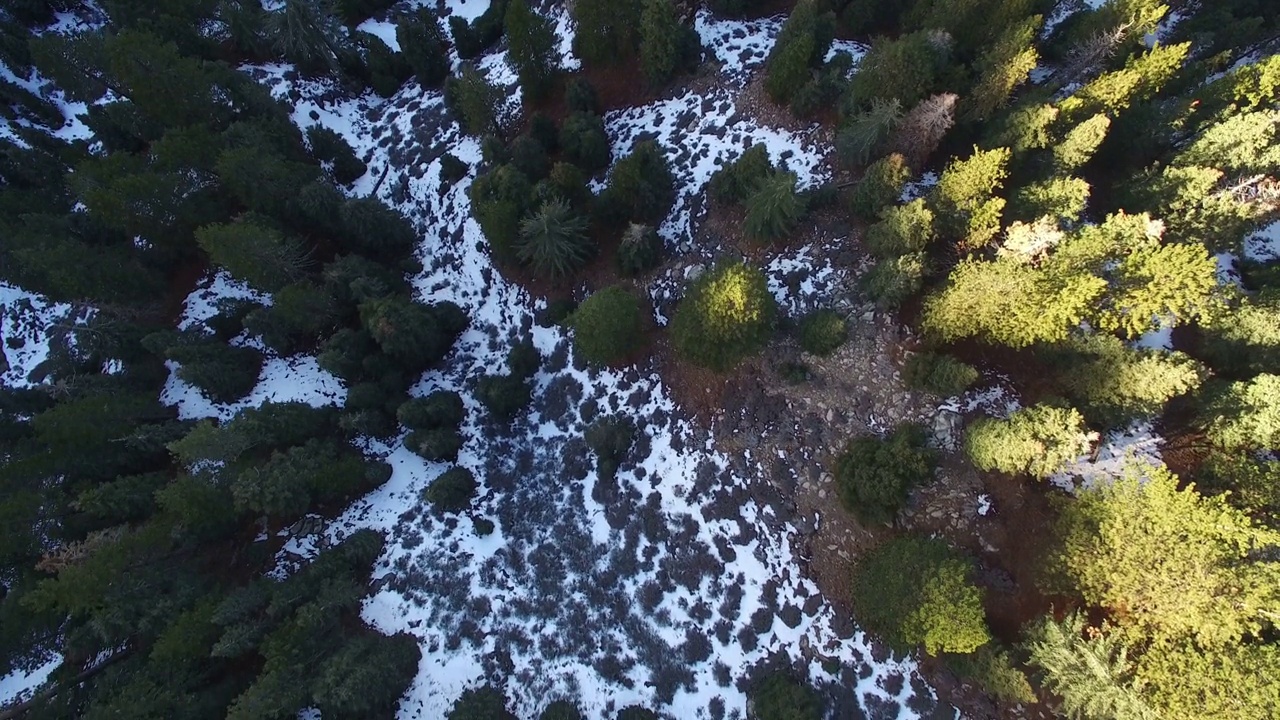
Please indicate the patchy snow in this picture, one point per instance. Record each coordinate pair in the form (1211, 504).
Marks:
(740, 46)
(386, 31)
(468, 10)
(1120, 448)
(29, 323)
(202, 303)
(20, 684)
(1264, 245)
(798, 280)
(852, 48)
(663, 586)
(71, 129)
(984, 504)
(700, 133)
(1225, 268)
(999, 400)
(919, 188)
(294, 379)
(1161, 338)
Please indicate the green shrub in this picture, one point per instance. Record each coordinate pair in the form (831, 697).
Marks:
(874, 475)
(504, 396)
(452, 491)
(298, 314)
(995, 672)
(483, 703)
(607, 326)
(635, 712)
(328, 146)
(917, 592)
(822, 331)
(610, 439)
(1037, 440)
(584, 142)
(580, 97)
(779, 697)
(641, 186)
(561, 710)
(893, 280)
(938, 373)
(442, 408)
(774, 209)
(727, 314)
(438, 444)
(529, 157)
(484, 526)
(738, 180)
(452, 169)
(523, 359)
(223, 373)
(568, 183)
(881, 185)
(902, 230)
(1244, 415)
(553, 240)
(640, 250)
(424, 47)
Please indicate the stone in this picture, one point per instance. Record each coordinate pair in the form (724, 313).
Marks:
(946, 428)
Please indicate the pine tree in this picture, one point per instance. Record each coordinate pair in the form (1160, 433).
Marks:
(254, 253)
(774, 209)
(307, 33)
(1159, 281)
(553, 240)
(423, 44)
(1061, 198)
(1037, 440)
(881, 185)
(726, 315)
(606, 326)
(796, 50)
(531, 42)
(963, 198)
(874, 475)
(1091, 673)
(1001, 69)
(1244, 415)
(1117, 383)
(584, 142)
(607, 30)
(902, 230)
(1080, 143)
(475, 100)
(663, 41)
(903, 69)
(921, 130)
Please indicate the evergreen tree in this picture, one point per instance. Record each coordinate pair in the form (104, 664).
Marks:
(1159, 281)
(414, 335)
(903, 69)
(499, 200)
(874, 475)
(484, 703)
(553, 240)
(641, 187)
(865, 133)
(1244, 415)
(902, 230)
(666, 46)
(254, 253)
(778, 697)
(640, 250)
(917, 592)
(1117, 383)
(726, 315)
(422, 43)
(1038, 440)
(1063, 198)
(307, 33)
(1080, 143)
(1142, 76)
(367, 676)
(1245, 340)
(802, 43)
(737, 181)
(894, 279)
(1180, 565)
(475, 100)
(607, 30)
(1091, 673)
(531, 42)
(607, 326)
(774, 209)
(963, 198)
(584, 142)
(880, 186)
(921, 130)
(1001, 68)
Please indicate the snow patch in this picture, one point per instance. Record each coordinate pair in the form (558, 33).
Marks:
(1118, 451)
(20, 684)
(1264, 245)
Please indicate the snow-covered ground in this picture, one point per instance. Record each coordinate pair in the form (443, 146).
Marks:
(663, 587)
(1264, 245)
(1117, 452)
(28, 325)
(20, 684)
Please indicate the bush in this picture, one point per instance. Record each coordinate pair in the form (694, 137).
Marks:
(607, 326)
(874, 476)
(452, 169)
(738, 180)
(223, 373)
(915, 591)
(938, 373)
(1244, 415)
(504, 396)
(610, 439)
(484, 703)
(902, 230)
(580, 97)
(727, 315)
(640, 250)
(452, 491)
(414, 335)
(774, 209)
(641, 187)
(328, 146)
(442, 408)
(635, 712)
(779, 697)
(881, 185)
(893, 280)
(439, 444)
(822, 331)
(1037, 440)
(996, 672)
(553, 240)
(297, 315)
(529, 157)
(499, 199)
(584, 142)
(423, 45)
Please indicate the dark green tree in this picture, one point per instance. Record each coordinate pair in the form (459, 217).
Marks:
(531, 47)
(553, 240)
(727, 314)
(607, 326)
(874, 475)
(423, 45)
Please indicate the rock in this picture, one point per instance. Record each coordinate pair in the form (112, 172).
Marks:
(947, 425)
(693, 272)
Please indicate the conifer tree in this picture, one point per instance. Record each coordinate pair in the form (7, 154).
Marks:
(532, 48)
(1091, 671)
(423, 44)
(665, 44)
(881, 185)
(774, 209)
(1037, 440)
(607, 30)
(553, 240)
(964, 197)
(254, 252)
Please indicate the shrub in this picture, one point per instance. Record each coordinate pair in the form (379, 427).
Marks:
(452, 491)
(738, 180)
(504, 396)
(640, 250)
(916, 591)
(902, 230)
(523, 359)
(727, 315)
(641, 187)
(822, 331)
(1037, 440)
(938, 373)
(774, 209)
(874, 475)
(438, 444)
(442, 408)
(610, 439)
(413, 334)
(423, 45)
(584, 142)
(553, 241)
(328, 146)
(779, 697)
(607, 326)
(452, 169)
(1245, 415)
(529, 157)
(223, 373)
(580, 97)
(1063, 198)
(484, 703)
(893, 280)
(499, 198)
(996, 672)
(298, 313)
(880, 186)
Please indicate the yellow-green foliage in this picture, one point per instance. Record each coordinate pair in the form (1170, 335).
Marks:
(727, 315)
